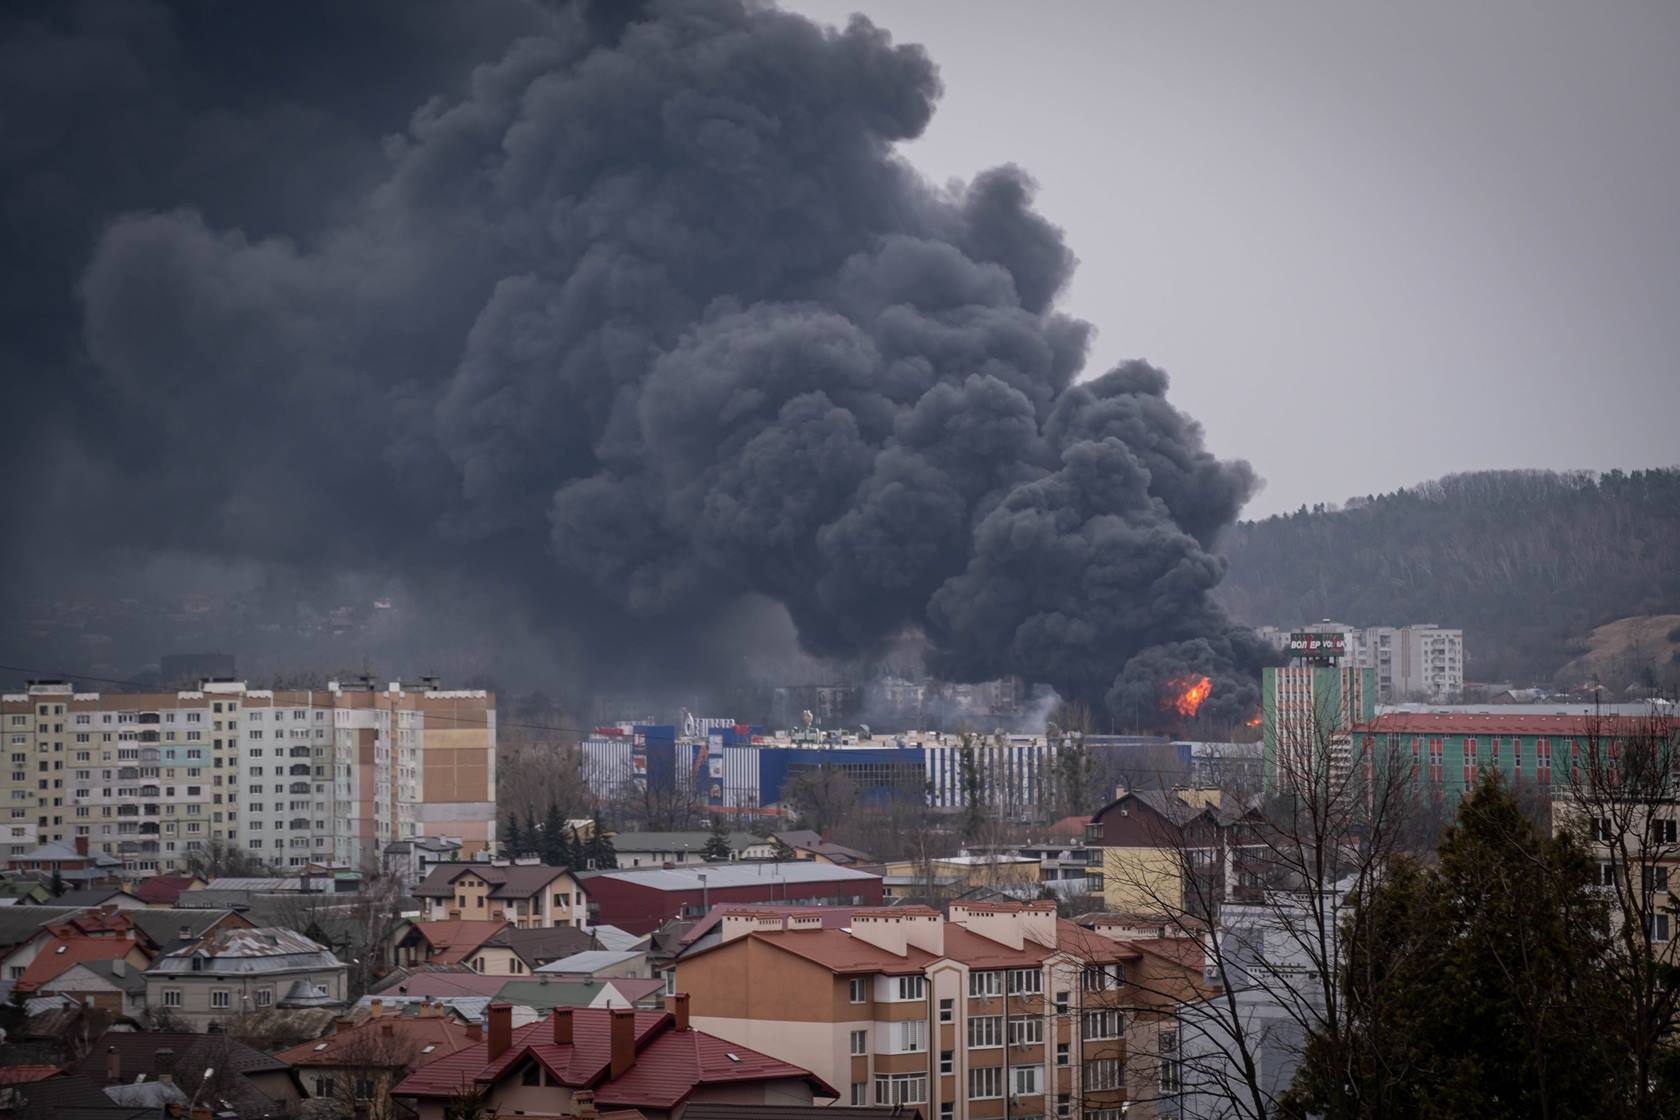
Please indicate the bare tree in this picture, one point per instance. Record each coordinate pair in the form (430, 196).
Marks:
(1266, 890)
(1623, 804)
(369, 1065)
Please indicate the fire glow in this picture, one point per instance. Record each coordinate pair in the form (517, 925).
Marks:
(1189, 693)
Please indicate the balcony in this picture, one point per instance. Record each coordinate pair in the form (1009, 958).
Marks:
(300, 752)
(148, 829)
(300, 824)
(150, 810)
(299, 787)
(301, 770)
(149, 791)
(147, 717)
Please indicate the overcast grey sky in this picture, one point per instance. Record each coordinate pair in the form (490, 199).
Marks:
(1372, 244)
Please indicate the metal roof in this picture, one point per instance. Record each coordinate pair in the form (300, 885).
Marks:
(723, 875)
(590, 961)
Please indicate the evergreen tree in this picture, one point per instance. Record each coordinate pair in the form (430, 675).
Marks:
(1475, 986)
(717, 848)
(974, 791)
(555, 849)
(55, 885)
(599, 851)
(513, 840)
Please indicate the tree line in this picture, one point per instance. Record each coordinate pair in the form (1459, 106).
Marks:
(1526, 562)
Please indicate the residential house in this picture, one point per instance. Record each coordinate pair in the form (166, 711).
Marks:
(656, 849)
(639, 899)
(92, 898)
(995, 1010)
(72, 862)
(811, 845)
(232, 971)
(166, 890)
(447, 942)
(243, 1081)
(412, 860)
(598, 963)
(652, 1062)
(1165, 851)
(517, 952)
(94, 935)
(364, 1056)
(543, 994)
(526, 895)
(20, 925)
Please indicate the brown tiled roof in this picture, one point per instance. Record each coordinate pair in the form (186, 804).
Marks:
(456, 939)
(444, 1034)
(536, 947)
(514, 881)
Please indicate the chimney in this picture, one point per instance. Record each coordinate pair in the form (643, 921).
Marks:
(81, 845)
(376, 1008)
(501, 1029)
(203, 1112)
(475, 1032)
(562, 1026)
(583, 1105)
(623, 1042)
(185, 933)
(113, 1066)
(677, 1005)
(342, 1023)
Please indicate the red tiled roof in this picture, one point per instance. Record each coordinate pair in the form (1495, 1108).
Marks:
(51, 963)
(840, 952)
(670, 1064)
(162, 889)
(1498, 723)
(455, 939)
(23, 1075)
(833, 917)
(447, 1035)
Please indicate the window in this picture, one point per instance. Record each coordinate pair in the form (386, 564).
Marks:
(1025, 981)
(985, 1030)
(985, 1082)
(1102, 1073)
(1102, 1024)
(912, 1036)
(1664, 830)
(1601, 830)
(264, 997)
(1657, 924)
(1026, 1081)
(859, 990)
(947, 1061)
(531, 1074)
(860, 1042)
(902, 1088)
(172, 997)
(982, 985)
(946, 1011)
(1064, 1104)
(1061, 1003)
(221, 997)
(1606, 875)
(1169, 1061)
(1653, 878)
(860, 1091)
(1101, 977)
(912, 987)
(1026, 1031)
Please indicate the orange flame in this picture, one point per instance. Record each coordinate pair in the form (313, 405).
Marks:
(1189, 694)
(1255, 722)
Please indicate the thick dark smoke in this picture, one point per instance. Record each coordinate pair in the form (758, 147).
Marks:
(618, 314)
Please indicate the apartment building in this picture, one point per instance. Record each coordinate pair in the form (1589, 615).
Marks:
(996, 1010)
(1308, 710)
(293, 777)
(1418, 662)
(1170, 851)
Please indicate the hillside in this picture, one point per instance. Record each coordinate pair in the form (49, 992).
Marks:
(1528, 563)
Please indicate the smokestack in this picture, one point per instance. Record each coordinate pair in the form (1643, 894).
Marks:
(677, 1005)
(562, 1026)
(623, 1042)
(501, 1029)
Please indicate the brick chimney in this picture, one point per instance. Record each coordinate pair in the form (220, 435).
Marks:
(501, 1029)
(475, 1032)
(376, 1008)
(113, 1066)
(81, 845)
(583, 1105)
(562, 1026)
(677, 1005)
(623, 1042)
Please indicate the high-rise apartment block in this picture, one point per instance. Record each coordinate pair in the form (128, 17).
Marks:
(1419, 662)
(291, 777)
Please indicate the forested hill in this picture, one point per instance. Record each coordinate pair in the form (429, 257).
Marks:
(1526, 562)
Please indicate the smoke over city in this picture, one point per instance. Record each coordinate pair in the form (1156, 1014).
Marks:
(622, 321)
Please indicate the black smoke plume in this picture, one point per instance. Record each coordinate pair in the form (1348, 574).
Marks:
(616, 317)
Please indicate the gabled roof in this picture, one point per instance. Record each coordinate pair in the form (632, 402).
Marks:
(138, 1051)
(509, 881)
(62, 851)
(591, 961)
(130, 980)
(445, 1035)
(455, 980)
(669, 1065)
(19, 923)
(537, 947)
(164, 927)
(163, 890)
(93, 896)
(455, 939)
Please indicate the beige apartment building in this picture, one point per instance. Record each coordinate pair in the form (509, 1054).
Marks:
(998, 1010)
(293, 777)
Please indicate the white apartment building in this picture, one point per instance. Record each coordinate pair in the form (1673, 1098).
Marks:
(292, 777)
(1418, 662)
